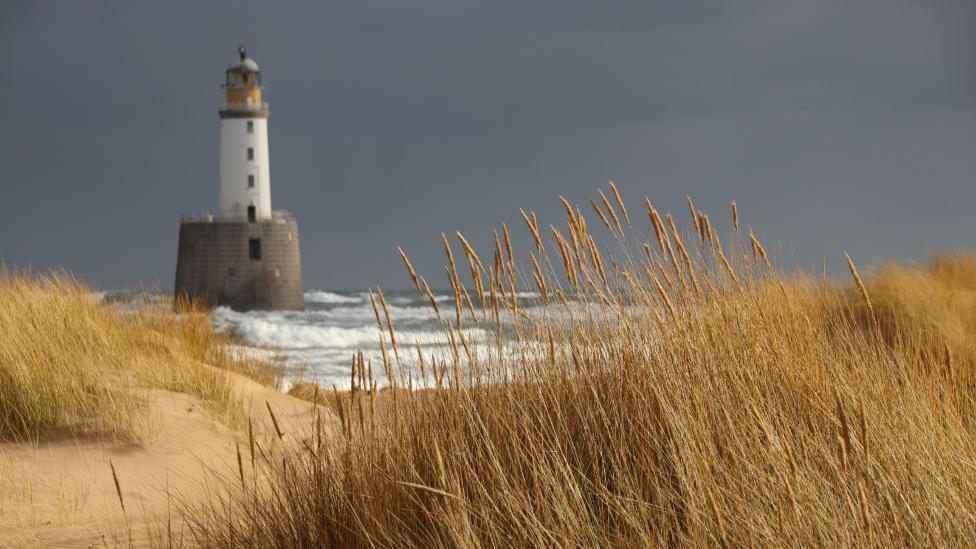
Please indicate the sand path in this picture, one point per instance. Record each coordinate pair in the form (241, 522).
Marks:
(60, 492)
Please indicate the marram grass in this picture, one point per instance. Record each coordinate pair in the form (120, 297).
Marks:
(677, 390)
(72, 365)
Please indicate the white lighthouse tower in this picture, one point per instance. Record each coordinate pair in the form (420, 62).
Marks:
(245, 170)
(247, 256)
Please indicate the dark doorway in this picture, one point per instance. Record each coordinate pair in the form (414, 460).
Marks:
(252, 214)
(254, 249)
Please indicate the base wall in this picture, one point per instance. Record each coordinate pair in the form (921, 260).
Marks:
(214, 264)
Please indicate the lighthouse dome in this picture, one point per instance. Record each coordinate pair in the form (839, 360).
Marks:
(245, 65)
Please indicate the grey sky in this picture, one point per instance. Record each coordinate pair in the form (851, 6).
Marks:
(837, 124)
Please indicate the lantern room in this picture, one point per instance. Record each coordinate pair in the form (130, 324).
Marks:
(243, 81)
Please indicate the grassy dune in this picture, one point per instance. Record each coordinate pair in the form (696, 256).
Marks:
(72, 365)
(696, 396)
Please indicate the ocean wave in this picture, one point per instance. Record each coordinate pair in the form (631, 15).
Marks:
(349, 315)
(317, 343)
(320, 296)
(280, 331)
(267, 333)
(417, 301)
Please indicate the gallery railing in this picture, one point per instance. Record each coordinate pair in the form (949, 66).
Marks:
(232, 218)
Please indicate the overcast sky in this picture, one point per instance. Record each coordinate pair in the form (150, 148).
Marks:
(836, 125)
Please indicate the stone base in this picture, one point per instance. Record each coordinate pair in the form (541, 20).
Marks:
(246, 266)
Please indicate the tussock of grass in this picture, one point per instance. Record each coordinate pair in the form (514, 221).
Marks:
(688, 394)
(933, 309)
(71, 364)
(62, 360)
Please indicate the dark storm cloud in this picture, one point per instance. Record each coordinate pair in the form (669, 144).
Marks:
(835, 125)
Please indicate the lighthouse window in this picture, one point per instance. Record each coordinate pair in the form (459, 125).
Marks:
(250, 153)
(254, 249)
(250, 126)
(250, 181)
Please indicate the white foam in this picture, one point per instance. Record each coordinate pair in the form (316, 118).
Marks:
(320, 296)
(278, 330)
(341, 316)
(424, 302)
(317, 343)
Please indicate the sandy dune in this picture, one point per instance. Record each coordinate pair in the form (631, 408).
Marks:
(60, 492)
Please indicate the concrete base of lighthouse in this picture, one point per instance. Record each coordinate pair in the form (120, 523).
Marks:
(243, 265)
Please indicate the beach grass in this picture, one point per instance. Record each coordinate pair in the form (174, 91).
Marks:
(670, 389)
(73, 365)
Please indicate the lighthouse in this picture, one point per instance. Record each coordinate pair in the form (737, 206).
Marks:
(246, 256)
(245, 174)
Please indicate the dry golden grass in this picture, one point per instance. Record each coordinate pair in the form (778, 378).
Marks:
(70, 364)
(739, 408)
(671, 392)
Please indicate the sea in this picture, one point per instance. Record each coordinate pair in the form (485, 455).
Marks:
(318, 344)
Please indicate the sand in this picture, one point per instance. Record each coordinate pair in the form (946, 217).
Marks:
(59, 492)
